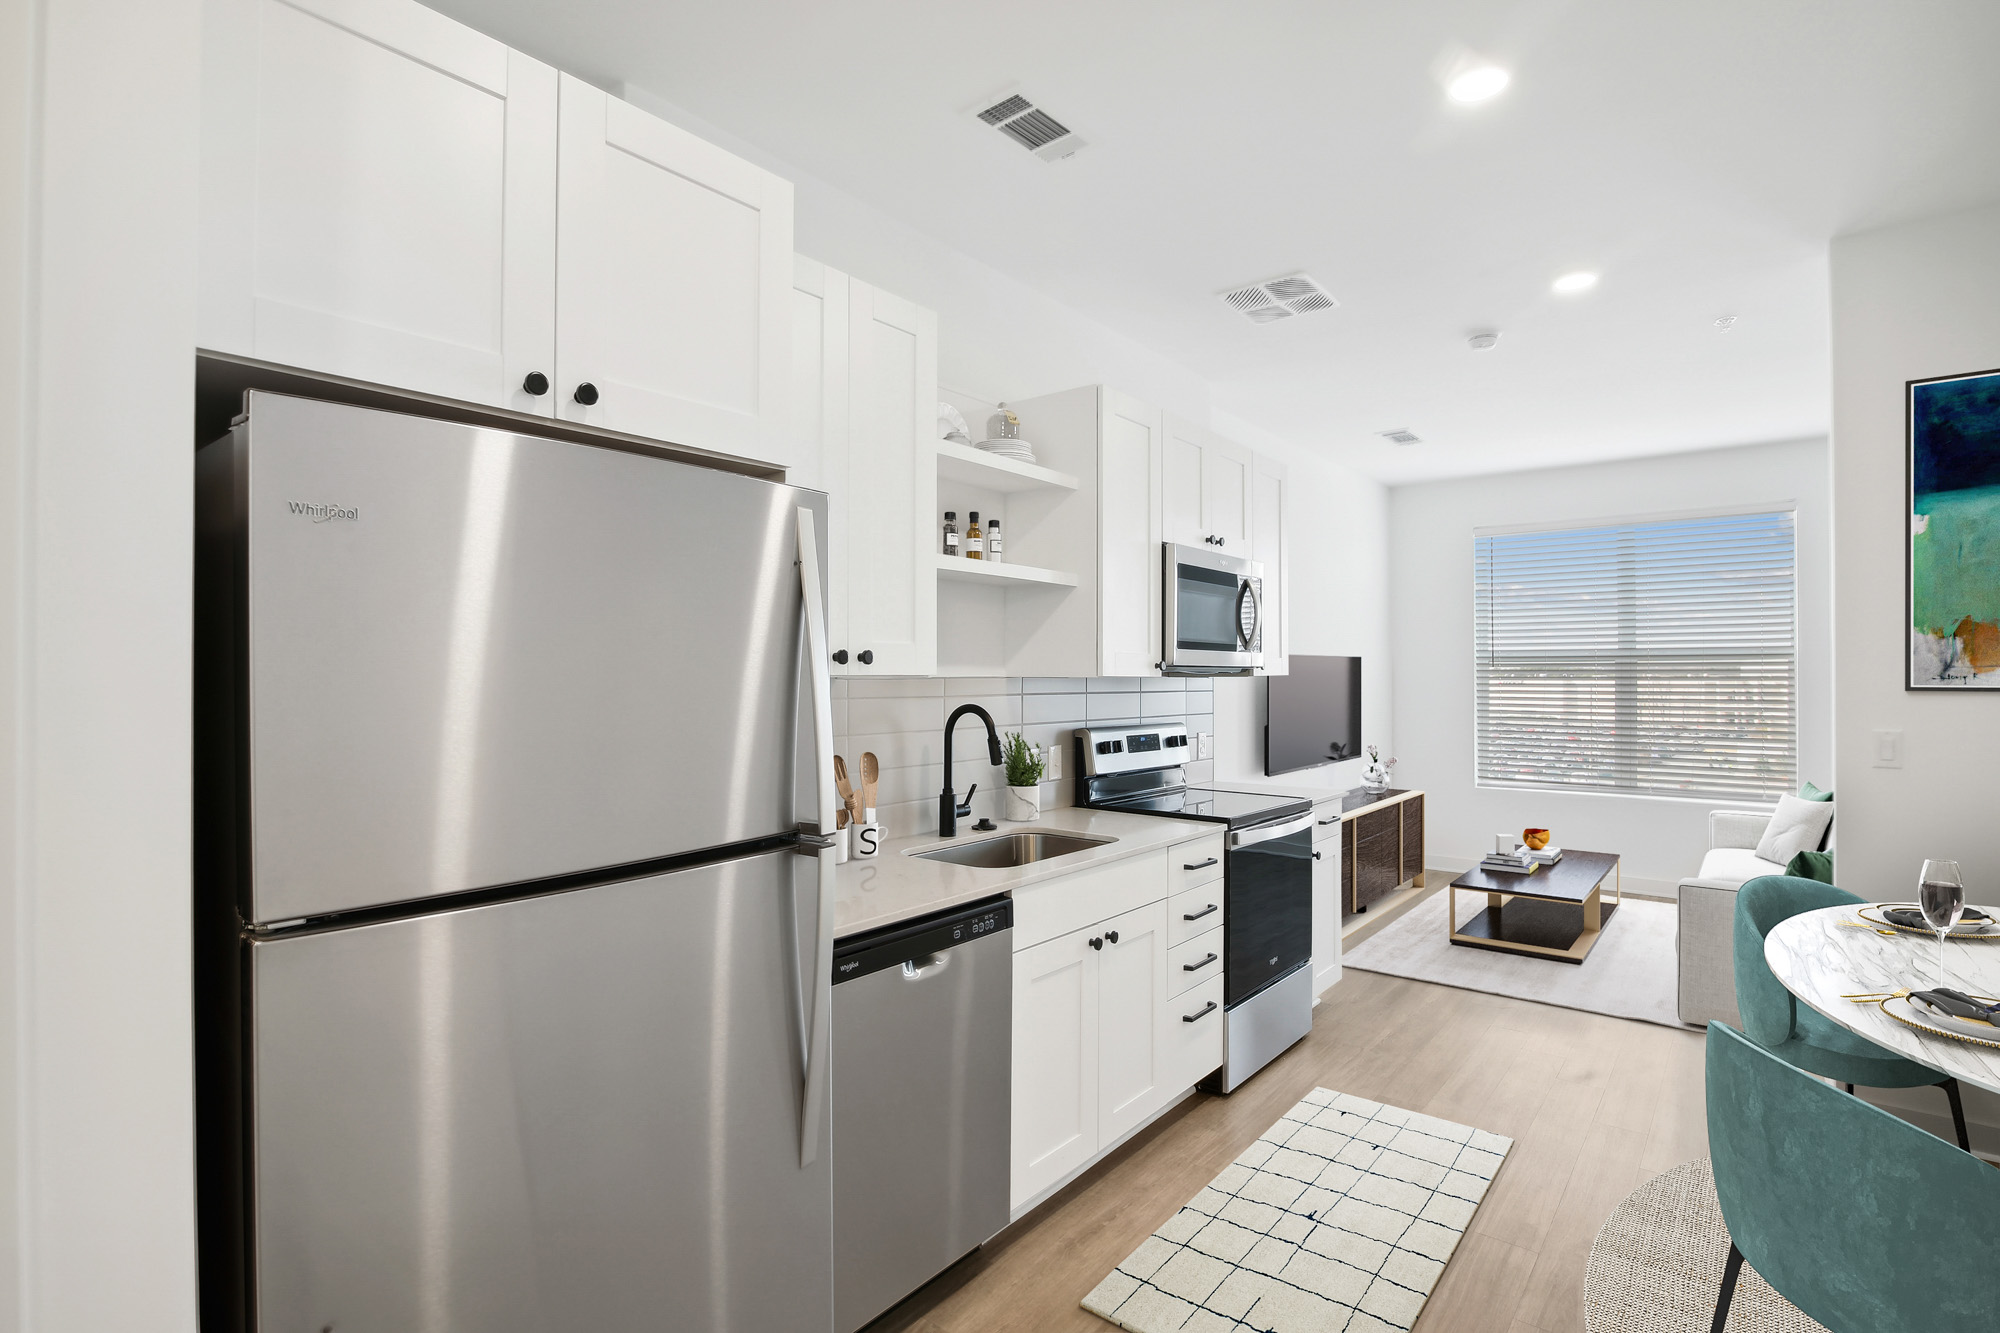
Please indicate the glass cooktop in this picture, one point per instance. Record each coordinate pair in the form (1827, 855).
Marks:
(1238, 809)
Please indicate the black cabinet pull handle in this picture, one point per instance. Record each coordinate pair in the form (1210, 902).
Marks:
(1200, 865)
(1111, 935)
(536, 384)
(1097, 943)
(1196, 967)
(1325, 822)
(1196, 916)
(866, 657)
(586, 393)
(1202, 1012)
(1315, 856)
(841, 657)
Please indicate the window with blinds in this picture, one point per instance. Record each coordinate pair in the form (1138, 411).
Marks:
(1653, 658)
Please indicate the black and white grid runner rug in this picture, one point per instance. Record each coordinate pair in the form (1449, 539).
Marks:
(1338, 1220)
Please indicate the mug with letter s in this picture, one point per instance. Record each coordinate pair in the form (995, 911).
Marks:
(865, 835)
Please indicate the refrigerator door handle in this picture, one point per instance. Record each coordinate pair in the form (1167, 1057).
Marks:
(819, 1004)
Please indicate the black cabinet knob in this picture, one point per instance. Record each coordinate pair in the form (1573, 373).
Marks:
(1218, 541)
(866, 657)
(1111, 935)
(1097, 942)
(586, 393)
(841, 657)
(1315, 856)
(536, 384)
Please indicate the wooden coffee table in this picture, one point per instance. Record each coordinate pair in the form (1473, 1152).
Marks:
(1558, 912)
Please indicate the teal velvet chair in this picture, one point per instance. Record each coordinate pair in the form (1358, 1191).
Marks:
(1794, 1032)
(1862, 1221)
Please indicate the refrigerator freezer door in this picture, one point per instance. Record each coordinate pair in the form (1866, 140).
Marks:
(578, 1111)
(478, 658)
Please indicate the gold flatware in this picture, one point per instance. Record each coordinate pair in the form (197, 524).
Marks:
(1863, 925)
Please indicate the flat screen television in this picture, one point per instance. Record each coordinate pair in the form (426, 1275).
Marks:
(1313, 715)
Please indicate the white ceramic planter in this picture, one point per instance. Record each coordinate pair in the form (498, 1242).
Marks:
(1024, 804)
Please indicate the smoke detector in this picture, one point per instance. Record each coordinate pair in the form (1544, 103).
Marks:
(1479, 342)
(1279, 298)
(1030, 126)
(1400, 435)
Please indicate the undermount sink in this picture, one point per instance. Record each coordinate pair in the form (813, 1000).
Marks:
(1013, 849)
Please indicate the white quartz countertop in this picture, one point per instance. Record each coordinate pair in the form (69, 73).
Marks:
(894, 886)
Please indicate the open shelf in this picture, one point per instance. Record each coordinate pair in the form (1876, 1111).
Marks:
(1000, 573)
(976, 467)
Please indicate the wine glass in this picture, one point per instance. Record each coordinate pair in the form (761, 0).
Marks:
(1941, 898)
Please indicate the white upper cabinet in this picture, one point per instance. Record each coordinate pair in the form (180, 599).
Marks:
(1207, 490)
(1268, 543)
(1129, 565)
(674, 300)
(390, 196)
(378, 197)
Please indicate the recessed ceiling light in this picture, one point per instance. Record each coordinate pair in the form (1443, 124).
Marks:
(1478, 84)
(1569, 284)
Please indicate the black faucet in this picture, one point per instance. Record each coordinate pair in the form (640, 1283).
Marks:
(948, 807)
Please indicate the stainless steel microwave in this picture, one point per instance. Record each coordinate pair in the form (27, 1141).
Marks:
(1214, 616)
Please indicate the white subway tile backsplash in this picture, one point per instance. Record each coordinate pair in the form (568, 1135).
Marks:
(972, 687)
(1164, 684)
(1108, 710)
(1053, 708)
(918, 714)
(1164, 707)
(887, 687)
(1051, 685)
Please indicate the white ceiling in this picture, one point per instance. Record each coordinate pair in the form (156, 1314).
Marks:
(1700, 153)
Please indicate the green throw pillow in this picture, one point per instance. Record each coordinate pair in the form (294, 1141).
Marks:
(1812, 793)
(1811, 865)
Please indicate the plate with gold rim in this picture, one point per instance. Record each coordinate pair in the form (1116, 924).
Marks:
(1873, 914)
(1910, 1014)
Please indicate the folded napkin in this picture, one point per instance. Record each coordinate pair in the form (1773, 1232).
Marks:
(1955, 1011)
(1973, 922)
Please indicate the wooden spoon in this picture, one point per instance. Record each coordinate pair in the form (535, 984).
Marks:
(845, 788)
(871, 772)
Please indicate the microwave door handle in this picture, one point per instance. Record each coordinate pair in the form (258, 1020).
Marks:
(818, 996)
(1249, 589)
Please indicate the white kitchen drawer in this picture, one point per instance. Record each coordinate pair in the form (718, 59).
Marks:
(1194, 962)
(1194, 863)
(1326, 821)
(1191, 1036)
(1071, 902)
(1194, 912)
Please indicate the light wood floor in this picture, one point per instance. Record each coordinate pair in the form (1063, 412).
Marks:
(1595, 1106)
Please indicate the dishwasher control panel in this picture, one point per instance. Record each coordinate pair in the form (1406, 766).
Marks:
(892, 946)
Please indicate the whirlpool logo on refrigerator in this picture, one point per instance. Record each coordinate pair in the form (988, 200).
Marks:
(323, 513)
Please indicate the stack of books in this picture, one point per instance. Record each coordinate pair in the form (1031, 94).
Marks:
(1520, 861)
(1548, 856)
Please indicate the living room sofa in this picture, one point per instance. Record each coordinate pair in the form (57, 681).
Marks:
(1708, 911)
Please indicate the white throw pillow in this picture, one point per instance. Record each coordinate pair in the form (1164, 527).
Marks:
(1796, 827)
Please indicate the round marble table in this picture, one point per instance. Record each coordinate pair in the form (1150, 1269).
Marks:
(1820, 960)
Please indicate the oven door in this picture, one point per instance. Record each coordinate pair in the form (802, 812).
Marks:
(1268, 925)
(1213, 622)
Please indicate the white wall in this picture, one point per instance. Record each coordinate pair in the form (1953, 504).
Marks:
(97, 169)
(1909, 302)
(1659, 840)
(1338, 602)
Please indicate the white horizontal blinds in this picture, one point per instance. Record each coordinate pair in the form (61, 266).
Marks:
(1647, 657)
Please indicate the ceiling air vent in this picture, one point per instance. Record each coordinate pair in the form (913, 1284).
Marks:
(1030, 126)
(1279, 298)
(1400, 435)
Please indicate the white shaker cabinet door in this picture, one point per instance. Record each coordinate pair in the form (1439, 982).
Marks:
(891, 485)
(1055, 1061)
(1268, 547)
(378, 198)
(674, 299)
(1131, 998)
(1227, 494)
(1326, 896)
(1183, 446)
(818, 409)
(1129, 562)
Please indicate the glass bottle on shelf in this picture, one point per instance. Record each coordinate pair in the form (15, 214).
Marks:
(951, 532)
(1003, 425)
(975, 539)
(993, 548)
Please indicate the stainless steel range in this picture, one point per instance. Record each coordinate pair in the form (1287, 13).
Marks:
(1267, 882)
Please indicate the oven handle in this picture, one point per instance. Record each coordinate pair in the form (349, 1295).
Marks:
(1250, 837)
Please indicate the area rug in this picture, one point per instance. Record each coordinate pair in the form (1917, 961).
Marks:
(1656, 1265)
(1630, 974)
(1340, 1217)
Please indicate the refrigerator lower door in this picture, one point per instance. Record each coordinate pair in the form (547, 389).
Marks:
(578, 1111)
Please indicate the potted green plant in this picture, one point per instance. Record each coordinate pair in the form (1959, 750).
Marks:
(1024, 779)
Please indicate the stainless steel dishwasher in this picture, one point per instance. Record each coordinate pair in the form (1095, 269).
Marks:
(922, 1101)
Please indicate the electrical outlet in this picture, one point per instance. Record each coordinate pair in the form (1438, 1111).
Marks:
(1204, 745)
(1889, 749)
(1052, 762)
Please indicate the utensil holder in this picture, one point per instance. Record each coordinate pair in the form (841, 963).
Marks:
(865, 836)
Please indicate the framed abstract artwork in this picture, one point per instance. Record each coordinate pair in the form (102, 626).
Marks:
(1953, 425)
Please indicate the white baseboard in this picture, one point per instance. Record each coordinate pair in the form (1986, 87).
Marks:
(1665, 890)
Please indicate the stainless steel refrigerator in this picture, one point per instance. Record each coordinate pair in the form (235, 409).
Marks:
(514, 920)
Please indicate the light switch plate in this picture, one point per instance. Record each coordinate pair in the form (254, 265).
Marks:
(1889, 749)
(1204, 745)
(1051, 762)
